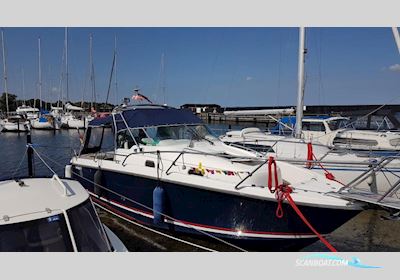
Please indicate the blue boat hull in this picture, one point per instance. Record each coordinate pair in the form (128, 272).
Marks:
(249, 223)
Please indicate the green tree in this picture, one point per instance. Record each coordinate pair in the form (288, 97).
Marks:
(11, 102)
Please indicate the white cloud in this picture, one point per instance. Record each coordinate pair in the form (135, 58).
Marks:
(394, 67)
(248, 78)
(54, 89)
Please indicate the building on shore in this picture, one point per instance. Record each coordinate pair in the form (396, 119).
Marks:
(365, 116)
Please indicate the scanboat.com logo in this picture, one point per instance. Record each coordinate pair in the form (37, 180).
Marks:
(330, 260)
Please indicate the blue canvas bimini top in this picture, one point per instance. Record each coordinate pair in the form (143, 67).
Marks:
(147, 117)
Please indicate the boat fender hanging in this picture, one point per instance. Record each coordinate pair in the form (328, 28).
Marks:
(158, 205)
(97, 180)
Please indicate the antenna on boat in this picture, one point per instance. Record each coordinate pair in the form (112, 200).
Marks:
(300, 88)
(4, 70)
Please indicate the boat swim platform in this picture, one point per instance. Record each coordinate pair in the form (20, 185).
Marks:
(372, 198)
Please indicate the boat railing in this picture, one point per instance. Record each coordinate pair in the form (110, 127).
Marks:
(374, 167)
(180, 153)
(388, 199)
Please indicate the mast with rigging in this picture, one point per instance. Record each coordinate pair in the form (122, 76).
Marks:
(300, 88)
(92, 80)
(40, 75)
(4, 71)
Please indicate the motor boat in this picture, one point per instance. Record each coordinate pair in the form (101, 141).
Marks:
(345, 166)
(51, 215)
(14, 123)
(28, 112)
(73, 117)
(168, 171)
(337, 132)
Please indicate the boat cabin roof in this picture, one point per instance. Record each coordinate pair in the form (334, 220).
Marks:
(147, 116)
(71, 107)
(36, 198)
(324, 119)
(27, 109)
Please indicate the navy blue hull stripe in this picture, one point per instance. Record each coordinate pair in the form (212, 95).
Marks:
(229, 231)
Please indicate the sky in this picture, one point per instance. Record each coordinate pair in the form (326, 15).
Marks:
(226, 66)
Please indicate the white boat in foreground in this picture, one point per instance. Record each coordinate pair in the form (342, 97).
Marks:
(169, 171)
(51, 215)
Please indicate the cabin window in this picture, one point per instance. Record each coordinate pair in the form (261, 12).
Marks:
(48, 234)
(124, 139)
(339, 123)
(309, 126)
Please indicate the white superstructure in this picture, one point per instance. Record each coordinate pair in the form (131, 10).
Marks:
(49, 214)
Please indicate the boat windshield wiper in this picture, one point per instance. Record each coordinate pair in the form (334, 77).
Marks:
(195, 133)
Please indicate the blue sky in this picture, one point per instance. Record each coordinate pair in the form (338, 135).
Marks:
(227, 66)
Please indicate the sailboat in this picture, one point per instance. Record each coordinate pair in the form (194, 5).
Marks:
(73, 116)
(25, 110)
(45, 120)
(11, 123)
(344, 165)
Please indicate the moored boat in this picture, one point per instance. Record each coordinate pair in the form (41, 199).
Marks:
(14, 124)
(345, 166)
(167, 170)
(51, 215)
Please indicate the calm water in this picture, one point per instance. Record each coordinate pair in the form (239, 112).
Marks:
(366, 232)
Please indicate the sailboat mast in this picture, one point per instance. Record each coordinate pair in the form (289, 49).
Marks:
(40, 75)
(66, 61)
(162, 77)
(92, 71)
(23, 85)
(396, 37)
(115, 66)
(300, 88)
(4, 70)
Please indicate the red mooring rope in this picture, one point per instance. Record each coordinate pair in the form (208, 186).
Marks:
(311, 156)
(282, 192)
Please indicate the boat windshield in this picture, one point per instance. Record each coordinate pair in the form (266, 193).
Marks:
(51, 234)
(87, 229)
(43, 235)
(339, 123)
(153, 135)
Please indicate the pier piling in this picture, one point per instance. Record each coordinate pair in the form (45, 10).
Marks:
(30, 154)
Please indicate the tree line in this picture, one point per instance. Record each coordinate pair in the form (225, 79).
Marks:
(13, 103)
